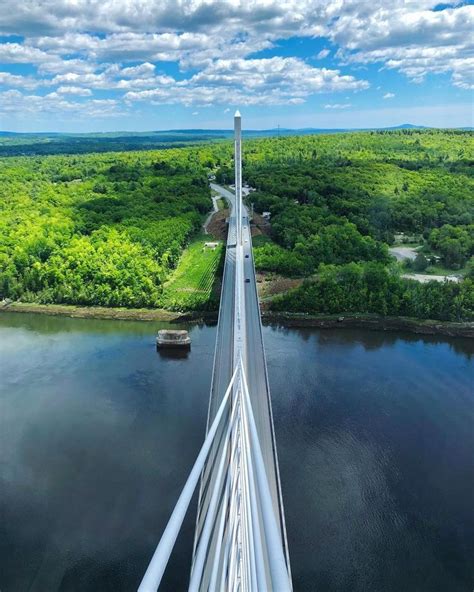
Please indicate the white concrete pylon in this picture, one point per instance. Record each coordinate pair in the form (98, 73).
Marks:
(238, 174)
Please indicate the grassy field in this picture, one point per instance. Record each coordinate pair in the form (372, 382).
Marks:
(192, 283)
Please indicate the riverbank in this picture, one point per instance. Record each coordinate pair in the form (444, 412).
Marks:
(93, 312)
(354, 321)
(372, 323)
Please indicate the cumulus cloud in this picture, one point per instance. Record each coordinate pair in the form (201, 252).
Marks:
(17, 81)
(270, 81)
(52, 17)
(126, 46)
(114, 78)
(120, 46)
(142, 71)
(59, 66)
(74, 90)
(17, 53)
(285, 75)
(14, 101)
(411, 38)
(388, 95)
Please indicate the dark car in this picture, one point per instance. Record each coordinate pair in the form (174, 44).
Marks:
(247, 256)
(247, 280)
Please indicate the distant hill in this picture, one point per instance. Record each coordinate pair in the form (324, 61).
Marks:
(24, 143)
(185, 133)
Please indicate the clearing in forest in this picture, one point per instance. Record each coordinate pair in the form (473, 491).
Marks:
(191, 284)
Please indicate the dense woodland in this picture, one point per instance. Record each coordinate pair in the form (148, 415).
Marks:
(97, 229)
(374, 288)
(337, 201)
(109, 229)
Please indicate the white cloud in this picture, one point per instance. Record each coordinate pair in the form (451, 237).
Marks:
(127, 46)
(283, 75)
(322, 54)
(122, 46)
(13, 101)
(59, 66)
(410, 38)
(338, 106)
(74, 90)
(50, 17)
(388, 95)
(113, 78)
(17, 53)
(124, 30)
(17, 81)
(269, 81)
(142, 71)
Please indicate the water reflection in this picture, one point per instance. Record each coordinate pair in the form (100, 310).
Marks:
(372, 340)
(375, 443)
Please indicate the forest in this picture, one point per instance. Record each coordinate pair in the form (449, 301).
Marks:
(374, 288)
(111, 228)
(97, 229)
(336, 201)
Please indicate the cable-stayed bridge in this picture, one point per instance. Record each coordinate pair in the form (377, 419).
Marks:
(240, 538)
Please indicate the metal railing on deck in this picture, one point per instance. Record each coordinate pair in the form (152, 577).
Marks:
(248, 552)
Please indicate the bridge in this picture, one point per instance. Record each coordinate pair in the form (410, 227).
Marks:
(240, 539)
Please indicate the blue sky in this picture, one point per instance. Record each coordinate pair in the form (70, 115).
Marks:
(109, 65)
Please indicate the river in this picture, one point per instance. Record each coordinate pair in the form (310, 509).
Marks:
(98, 432)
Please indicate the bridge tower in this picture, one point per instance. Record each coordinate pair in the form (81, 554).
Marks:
(238, 174)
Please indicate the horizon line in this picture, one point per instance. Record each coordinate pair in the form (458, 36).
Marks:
(223, 129)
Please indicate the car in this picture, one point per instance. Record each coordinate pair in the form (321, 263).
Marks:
(246, 240)
(247, 280)
(247, 256)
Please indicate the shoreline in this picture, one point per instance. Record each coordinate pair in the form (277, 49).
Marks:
(372, 322)
(93, 312)
(297, 320)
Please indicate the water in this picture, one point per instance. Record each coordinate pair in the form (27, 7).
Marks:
(98, 433)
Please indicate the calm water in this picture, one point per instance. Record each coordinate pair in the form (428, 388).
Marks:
(375, 437)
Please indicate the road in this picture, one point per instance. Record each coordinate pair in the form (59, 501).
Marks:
(424, 278)
(256, 370)
(215, 209)
(402, 253)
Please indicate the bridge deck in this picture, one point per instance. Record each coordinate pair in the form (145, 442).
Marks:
(256, 370)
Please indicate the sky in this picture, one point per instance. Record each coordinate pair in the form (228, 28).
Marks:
(139, 65)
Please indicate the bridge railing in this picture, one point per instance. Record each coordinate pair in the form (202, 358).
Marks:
(247, 553)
